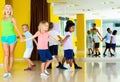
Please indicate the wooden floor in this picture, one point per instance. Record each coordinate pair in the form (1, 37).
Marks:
(91, 72)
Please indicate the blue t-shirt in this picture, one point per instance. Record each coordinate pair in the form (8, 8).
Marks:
(29, 44)
(108, 38)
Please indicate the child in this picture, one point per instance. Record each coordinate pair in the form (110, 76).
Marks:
(108, 38)
(29, 47)
(113, 41)
(67, 43)
(89, 42)
(68, 23)
(42, 46)
(53, 46)
(96, 43)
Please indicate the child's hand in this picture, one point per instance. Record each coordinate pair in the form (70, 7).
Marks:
(22, 40)
(60, 43)
(102, 39)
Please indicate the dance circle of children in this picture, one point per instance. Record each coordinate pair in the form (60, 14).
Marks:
(93, 40)
(45, 34)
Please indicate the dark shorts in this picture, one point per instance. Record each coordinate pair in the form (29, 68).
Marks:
(54, 49)
(45, 55)
(68, 54)
(113, 46)
(108, 45)
(96, 45)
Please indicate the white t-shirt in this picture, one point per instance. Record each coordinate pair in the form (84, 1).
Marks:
(96, 38)
(113, 39)
(68, 42)
(54, 34)
(108, 38)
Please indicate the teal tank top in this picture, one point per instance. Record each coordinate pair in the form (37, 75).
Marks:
(7, 27)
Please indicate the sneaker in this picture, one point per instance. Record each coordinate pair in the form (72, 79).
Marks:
(70, 70)
(111, 54)
(88, 54)
(6, 75)
(95, 55)
(58, 66)
(104, 54)
(28, 69)
(9, 74)
(99, 53)
(46, 72)
(92, 52)
(62, 67)
(43, 75)
(77, 67)
(68, 66)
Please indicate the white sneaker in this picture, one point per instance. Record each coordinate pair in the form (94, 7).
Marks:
(43, 75)
(46, 72)
(68, 66)
(6, 75)
(9, 74)
(70, 70)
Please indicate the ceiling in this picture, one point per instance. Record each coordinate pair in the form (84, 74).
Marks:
(93, 9)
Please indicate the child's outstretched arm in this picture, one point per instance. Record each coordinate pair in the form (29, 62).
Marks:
(63, 41)
(55, 40)
(59, 37)
(103, 38)
(35, 42)
(99, 33)
(31, 38)
(19, 37)
(100, 38)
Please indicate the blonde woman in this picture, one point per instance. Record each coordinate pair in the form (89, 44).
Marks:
(9, 39)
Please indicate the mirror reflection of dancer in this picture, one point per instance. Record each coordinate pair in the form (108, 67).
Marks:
(9, 39)
(107, 42)
(89, 42)
(94, 27)
(96, 43)
(113, 41)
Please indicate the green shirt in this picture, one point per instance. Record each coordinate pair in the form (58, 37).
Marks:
(7, 27)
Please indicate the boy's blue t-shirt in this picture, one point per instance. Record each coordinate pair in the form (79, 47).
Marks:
(29, 44)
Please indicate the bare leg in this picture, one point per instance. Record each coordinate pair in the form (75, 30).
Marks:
(6, 56)
(89, 51)
(58, 58)
(30, 63)
(47, 64)
(42, 67)
(63, 60)
(12, 49)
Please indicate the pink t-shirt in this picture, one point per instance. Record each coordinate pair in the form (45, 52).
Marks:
(42, 40)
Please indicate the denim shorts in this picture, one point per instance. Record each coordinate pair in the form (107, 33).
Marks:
(45, 55)
(54, 49)
(9, 39)
(68, 54)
